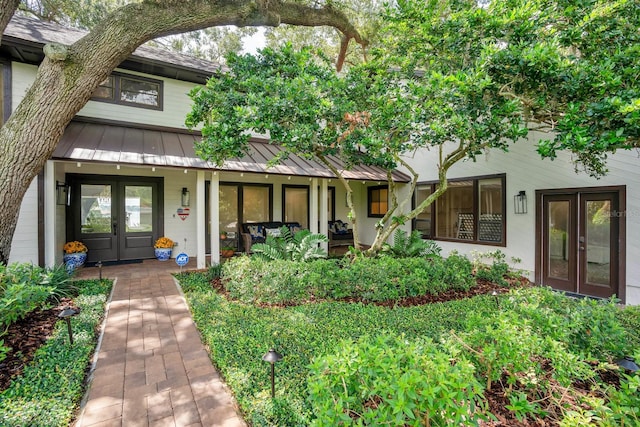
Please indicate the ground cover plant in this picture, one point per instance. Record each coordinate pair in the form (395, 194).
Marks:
(42, 378)
(529, 356)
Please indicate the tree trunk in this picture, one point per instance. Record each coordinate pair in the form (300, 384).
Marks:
(69, 74)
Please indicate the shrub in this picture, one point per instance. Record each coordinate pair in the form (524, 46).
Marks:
(393, 381)
(589, 327)
(251, 279)
(20, 299)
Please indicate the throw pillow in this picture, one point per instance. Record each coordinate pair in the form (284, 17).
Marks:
(255, 231)
(275, 232)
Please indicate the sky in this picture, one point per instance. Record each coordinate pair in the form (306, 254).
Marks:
(255, 42)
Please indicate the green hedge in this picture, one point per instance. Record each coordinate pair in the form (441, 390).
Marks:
(50, 388)
(249, 279)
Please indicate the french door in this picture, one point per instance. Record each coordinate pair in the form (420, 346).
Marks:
(581, 241)
(117, 217)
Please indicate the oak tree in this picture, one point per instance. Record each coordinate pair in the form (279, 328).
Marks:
(68, 75)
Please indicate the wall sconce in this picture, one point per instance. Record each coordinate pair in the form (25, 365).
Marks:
(520, 202)
(186, 197)
(62, 193)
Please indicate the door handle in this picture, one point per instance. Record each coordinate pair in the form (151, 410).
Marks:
(115, 228)
(582, 248)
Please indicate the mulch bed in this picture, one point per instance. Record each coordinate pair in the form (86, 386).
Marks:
(24, 337)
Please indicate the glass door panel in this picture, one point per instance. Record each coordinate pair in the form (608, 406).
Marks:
(95, 208)
(599, 233)
(94, 218)
(137, 234)
(138, 209)
(558, 231)
(558, 248)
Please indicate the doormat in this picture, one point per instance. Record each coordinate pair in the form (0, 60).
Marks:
(108, 263)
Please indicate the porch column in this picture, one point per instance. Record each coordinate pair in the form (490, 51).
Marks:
(214, 202)
(49, 214)
(313, 208)
(324, 211)
(201, 228)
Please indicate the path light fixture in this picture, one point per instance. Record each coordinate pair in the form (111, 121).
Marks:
(495, 295)
(627, 363)
(66, 314)
(272, 357)
(99, 265)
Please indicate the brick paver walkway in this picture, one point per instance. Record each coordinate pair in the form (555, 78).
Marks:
(152, 369)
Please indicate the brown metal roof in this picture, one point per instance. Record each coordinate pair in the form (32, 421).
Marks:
(118, 143)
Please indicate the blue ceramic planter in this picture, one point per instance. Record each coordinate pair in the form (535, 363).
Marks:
(73, 261)
(163, 254)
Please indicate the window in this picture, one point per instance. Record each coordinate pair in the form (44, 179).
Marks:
(377, 201)
(422, 222)
(131, 90)
(470, 210)
(241, 203)
(295, 202)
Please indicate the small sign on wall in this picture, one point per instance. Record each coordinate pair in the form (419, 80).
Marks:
(183, 213)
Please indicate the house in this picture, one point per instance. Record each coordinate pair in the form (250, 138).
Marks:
(570, 231)
(125, 173)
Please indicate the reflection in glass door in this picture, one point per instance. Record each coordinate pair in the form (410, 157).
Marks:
(97, 221)
(138, 218)
(559, 264)
(597, 244)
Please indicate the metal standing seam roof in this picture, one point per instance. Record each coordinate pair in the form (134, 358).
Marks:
(115, 143)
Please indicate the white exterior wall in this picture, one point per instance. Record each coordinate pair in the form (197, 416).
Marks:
(24, 246)
(176, 103)
(525, 170)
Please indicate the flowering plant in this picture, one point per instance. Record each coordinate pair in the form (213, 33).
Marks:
(164, 243)
(74, 247)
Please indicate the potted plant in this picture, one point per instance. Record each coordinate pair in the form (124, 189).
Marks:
(75, 255)
(223, 235)
(227, 251)
(163, 248)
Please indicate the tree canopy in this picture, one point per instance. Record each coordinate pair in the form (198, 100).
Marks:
(371, 114)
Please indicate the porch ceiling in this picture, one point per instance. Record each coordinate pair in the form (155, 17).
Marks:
(119, 143)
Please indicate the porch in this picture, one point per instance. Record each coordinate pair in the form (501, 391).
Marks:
(142, 183)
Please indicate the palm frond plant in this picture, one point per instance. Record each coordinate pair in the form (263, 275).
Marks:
(300, 246)
(411, 245)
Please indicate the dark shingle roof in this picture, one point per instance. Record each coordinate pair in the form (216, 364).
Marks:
(24, 32)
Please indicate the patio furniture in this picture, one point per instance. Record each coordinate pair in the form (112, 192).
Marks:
(340, 234)
(257, 232)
